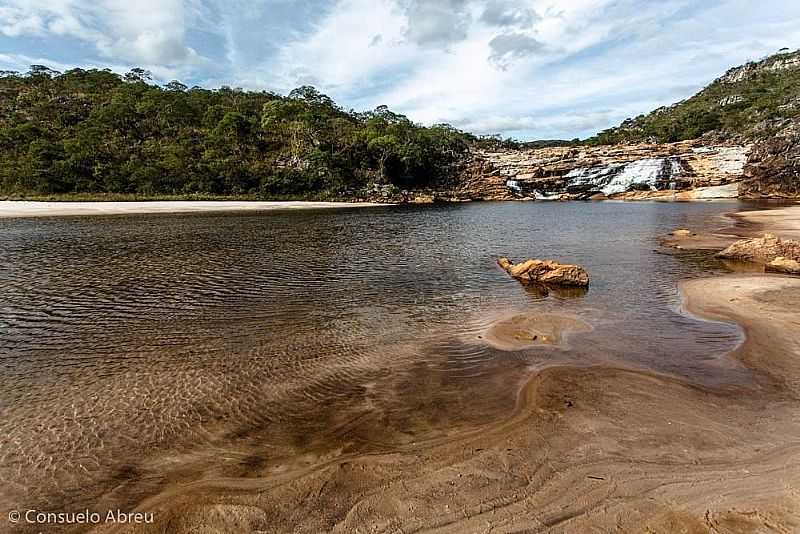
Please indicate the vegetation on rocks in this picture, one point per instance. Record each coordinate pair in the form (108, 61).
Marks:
(93, 132)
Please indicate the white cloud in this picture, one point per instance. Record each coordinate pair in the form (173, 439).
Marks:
(436, 22)
(147, 32)
(532, 67)
(15, 21)
(508, 47)
(342, 52)
(508, 13)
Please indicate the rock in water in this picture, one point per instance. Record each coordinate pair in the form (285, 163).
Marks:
(546, 272)
(783, 265)
(762, 249)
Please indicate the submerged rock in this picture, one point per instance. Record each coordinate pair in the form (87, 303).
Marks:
(762, 249)
(546, 272)
(783, 265)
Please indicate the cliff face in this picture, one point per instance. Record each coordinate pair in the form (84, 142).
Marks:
(773, 169)
(612, 171)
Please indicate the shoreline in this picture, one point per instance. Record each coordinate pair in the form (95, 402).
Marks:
(783, 222)
(65, 208)
(32, 208)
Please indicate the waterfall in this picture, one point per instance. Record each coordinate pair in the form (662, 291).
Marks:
(649, 174)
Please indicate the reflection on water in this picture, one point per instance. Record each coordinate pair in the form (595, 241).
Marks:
(139, 350)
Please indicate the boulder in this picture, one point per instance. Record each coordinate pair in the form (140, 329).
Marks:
(762, 249)
(783, 265)
(546, 272)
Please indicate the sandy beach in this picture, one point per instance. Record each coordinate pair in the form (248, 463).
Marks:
(24, 208)
(783, 222)
(595, 449)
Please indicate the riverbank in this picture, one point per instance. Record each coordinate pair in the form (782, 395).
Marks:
(783, 222)
(24, 208)
(584, 448)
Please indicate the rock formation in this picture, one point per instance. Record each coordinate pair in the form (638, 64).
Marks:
(585, 172)
(765, 250)
(773, 168)
(546, 272)
(777, 62)
(734, 122)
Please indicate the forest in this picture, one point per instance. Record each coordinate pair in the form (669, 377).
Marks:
(98, 133)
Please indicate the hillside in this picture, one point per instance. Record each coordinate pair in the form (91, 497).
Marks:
(93, 132)
(750, 102)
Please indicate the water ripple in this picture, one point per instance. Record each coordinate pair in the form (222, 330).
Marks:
(132, 346)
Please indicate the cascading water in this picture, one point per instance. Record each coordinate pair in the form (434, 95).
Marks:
(647, 174)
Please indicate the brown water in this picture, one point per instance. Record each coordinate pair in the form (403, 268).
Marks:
(138, 351)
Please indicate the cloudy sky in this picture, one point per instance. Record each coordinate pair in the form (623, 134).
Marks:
(523, 68)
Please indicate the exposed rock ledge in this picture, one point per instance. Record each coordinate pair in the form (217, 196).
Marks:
(779, 255)
(673, 170)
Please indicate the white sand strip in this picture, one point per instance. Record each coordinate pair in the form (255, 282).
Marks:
(25, 208)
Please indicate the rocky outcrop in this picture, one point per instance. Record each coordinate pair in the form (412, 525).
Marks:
(546, 272)
(584, 172)
(773, 168)
(781, 61)
(479, 182)
(764, 250)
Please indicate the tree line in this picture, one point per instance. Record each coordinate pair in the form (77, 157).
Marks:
(97, 132)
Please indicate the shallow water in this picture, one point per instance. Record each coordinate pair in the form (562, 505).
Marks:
(136, 351)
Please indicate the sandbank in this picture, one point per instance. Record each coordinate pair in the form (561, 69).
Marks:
(25, 208)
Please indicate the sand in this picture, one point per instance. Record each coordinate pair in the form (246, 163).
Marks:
(24, 208)
(598, 449)
(783, 222)
(585, 450)
(526, 330)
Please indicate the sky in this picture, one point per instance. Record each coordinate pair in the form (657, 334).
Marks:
(528, 69)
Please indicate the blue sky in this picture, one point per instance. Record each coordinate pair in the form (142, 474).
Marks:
(530, 69)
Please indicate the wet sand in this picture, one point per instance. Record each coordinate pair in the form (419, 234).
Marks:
(24, 208)
(595, 449)
(525, 330)
(783, 222)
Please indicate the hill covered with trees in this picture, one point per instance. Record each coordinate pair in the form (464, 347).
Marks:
(95, 132)
(751, 102)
